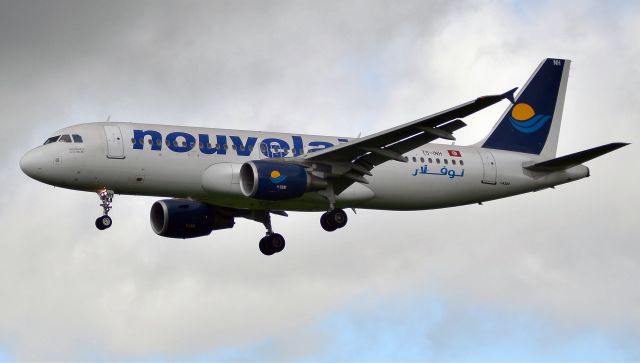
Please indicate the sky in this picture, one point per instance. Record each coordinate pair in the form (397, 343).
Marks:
(546, 276)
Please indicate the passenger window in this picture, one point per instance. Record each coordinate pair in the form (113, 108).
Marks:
(65, 138)
(437, 161)
(158, 142)
(52, 139)
(461, 162)
(167, 142)
(233, 146)
(225, 146)
(430, 160)
(133, 140)
(77, 138)
(422, 160)
(175, 142)
(446, 161)
(150, 142)
(453, 161)
(241, 147)
(184, 143)
(250, 148)
(414, 159)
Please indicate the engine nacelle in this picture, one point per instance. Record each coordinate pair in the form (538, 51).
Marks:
(183, 218)
(271, 180)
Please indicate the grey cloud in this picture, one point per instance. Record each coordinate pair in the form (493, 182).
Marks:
(340, 67)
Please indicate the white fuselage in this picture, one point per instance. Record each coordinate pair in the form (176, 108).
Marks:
(436, 176)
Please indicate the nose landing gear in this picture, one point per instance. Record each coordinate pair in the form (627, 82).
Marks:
(104, 222)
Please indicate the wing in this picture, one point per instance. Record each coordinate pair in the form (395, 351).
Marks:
(350, 162)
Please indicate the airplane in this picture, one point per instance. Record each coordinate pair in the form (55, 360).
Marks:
(212, 176)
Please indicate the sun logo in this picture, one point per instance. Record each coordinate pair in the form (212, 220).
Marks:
(524, 119)
(276, 177)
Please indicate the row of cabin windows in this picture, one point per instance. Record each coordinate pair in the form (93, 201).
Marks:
(64, 138)
(274, 148)
(445, 161)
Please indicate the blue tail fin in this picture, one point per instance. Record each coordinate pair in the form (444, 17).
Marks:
(532, 123)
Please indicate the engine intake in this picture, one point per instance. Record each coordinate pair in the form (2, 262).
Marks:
(269, 180)
(183, 218)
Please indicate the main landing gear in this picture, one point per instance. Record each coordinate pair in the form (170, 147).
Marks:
(104, 222)
(272, 243)
(333, 219)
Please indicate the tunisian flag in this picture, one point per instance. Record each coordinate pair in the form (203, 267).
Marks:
(454, 153)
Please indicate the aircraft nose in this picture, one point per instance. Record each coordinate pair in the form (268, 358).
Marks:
(30, 163)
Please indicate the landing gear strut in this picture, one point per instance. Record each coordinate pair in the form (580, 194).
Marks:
(104, 222)
(272, 243)
(333, 219)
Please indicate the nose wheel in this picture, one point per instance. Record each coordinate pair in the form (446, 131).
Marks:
(106, 197)
(103, 222)
(333, 219)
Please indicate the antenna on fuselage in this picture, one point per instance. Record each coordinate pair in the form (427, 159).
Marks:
(108, 118)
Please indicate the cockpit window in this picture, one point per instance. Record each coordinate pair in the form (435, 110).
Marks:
(65, 138)
(52, 139)
(77, 138)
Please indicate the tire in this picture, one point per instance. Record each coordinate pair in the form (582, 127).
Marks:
(277, 242)
(325, 223)
(103, 222)
(338, 218)
(265, 246)
(99, 224)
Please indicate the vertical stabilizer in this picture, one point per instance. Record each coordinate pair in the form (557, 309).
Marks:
(532, 124)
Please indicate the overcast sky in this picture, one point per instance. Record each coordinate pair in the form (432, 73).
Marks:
(551, 275)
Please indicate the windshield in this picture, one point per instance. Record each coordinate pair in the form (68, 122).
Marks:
(52, 139)
(65, 138)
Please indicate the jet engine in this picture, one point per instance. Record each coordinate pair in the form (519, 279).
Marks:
(183, 218)
(269, 180)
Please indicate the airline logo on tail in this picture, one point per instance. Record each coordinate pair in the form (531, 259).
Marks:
(524, 119)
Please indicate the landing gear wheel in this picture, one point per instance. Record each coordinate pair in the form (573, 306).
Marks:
(325, 225)
(333, 219)
(273, 243)
(103, 222)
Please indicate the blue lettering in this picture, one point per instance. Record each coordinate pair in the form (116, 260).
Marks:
(244, 149)
(207, 148)
(181, 142)
(139, 138)
(280, 150)
(324, 145)
(186, 144)
(297, 145)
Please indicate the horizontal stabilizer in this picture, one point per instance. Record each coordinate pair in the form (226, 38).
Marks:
(571, 160)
